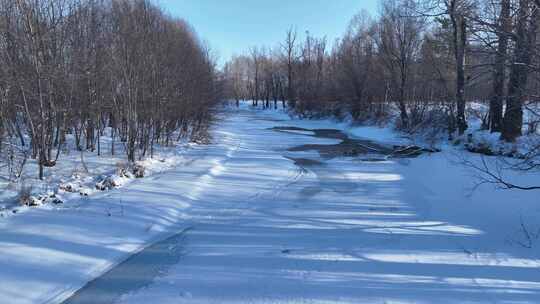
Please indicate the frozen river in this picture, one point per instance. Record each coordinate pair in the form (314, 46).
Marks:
(299, 214)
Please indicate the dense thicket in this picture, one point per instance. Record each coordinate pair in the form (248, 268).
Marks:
(424, 59)
(84, 67)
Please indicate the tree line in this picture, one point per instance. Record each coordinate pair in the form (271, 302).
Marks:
(81, 68)
(424, 59)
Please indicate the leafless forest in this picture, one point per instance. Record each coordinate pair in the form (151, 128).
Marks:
(423, 60)
(81, 67)
(123, 68)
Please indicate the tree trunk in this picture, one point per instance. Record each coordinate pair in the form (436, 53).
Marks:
(499, 75)
(519, 72)
(460, 43)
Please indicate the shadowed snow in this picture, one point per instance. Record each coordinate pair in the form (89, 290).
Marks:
(278, 226)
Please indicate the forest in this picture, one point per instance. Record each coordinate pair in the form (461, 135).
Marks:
(83, 68)
(424, 61)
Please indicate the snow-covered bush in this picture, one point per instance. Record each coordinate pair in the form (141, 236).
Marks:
(107, 183)
(25, 194)
(138, 170)
(68, 187)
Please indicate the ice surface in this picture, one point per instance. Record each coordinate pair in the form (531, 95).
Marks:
(265, 230)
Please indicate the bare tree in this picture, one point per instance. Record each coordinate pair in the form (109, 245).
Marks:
(289, 48)
(525, 35)
(499, 72)
(400, 37)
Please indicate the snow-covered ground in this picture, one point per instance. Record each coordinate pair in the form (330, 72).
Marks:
(267, 230)
(80, 172)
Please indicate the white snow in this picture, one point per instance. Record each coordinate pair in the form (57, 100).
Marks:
(81, 174)
(266, 231)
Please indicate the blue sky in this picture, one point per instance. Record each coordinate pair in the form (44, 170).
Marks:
(232, 26)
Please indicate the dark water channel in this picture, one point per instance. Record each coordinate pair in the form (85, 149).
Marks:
(365, 149)
(136, 272)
